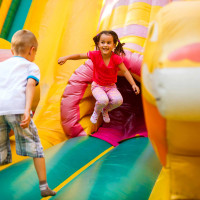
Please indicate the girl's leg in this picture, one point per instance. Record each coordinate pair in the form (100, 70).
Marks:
(115, 99)
(101, 101)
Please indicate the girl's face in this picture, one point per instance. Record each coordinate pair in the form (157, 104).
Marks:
(106, 44)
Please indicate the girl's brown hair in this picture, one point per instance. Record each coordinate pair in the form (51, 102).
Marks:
(119, 46)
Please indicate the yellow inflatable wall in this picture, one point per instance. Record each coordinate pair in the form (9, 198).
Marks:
(171, 85)
(61, 27)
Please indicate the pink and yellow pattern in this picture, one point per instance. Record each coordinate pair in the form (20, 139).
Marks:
(130, 19)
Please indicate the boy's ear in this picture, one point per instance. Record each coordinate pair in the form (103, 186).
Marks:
(12, 51)
(31, 50)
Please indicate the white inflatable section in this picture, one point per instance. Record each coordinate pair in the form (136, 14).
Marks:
(177, 92)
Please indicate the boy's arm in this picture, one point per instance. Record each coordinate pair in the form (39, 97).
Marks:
(129, 78)
(62, 60)
(30, 91)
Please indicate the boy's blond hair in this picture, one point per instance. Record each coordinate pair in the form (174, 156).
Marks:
(22, 40)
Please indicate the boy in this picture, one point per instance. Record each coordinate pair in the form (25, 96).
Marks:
(19, 76)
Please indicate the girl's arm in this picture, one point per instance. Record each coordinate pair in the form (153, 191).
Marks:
(129, 78)
(62, 60)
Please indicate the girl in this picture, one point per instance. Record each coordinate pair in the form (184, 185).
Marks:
(106, 64)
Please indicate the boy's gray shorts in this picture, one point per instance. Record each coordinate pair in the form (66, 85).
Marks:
(27, 140)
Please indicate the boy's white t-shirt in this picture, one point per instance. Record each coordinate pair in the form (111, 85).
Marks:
(14, 74)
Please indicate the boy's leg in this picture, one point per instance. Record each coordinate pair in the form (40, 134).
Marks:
(40, 168)
(28, 144)
(27, 140)
(41, 172)
(5, 150)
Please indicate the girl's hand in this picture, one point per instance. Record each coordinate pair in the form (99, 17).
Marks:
(136, 89)
(62, 60)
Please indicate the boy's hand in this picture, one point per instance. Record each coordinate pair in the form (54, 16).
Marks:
(26, 120)
(62, 60)
(136, 89)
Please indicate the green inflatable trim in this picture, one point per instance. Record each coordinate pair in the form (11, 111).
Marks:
(0, 2)
(9, 18)
(15, 18)
(20, 17)
(20, 180)
(129, 170)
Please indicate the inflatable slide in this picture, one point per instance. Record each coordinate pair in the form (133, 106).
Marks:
(84, 161)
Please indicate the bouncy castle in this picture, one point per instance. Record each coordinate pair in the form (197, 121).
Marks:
(150, 147)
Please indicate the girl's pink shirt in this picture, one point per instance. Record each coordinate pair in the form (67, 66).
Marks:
(102, 74)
